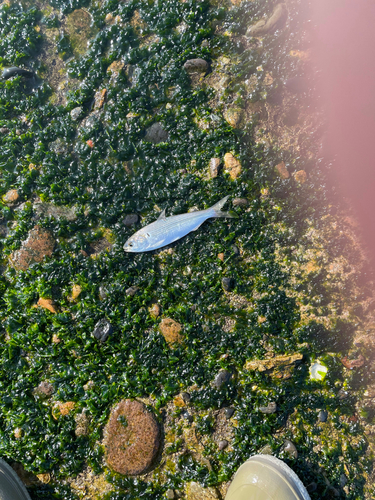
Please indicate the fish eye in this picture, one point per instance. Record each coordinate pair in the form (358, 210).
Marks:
(131, 244)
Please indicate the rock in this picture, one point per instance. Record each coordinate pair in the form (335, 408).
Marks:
(130, 220)
(44, 390)
(223, 444)
(353, 363)
(132, 290)
(102, 330)
(156, 133)
(115, 68)
(265, 26)
(343, 480)
(42, 209)
(194, 491)
(82, 421)
(59, 147)
(131, 438)
(300, 176)
(196, 66)
(155, 310)
(76, 292)
(290, 448)
(235, 250)
(47, 304)
(62, 409)
(4, 130)
(266, 450)
(187, 416)
(171, 331)
(232, 165)
(103, 292)
(39, 244)
(76, 113)
(221, 256)
(170, 494)
(322, 416)
(228, 412)
(222, 378)
(99, 98)
(11, 197)
(234, 116)
(282, 170)
(185, 397)
(18, 432)
(270, 408)
(240, 202)
(282, 366)
(228, 284)
(215, 165)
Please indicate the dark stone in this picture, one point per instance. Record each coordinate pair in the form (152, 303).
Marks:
(223, 444)
(222, 378)
(196, 66)
(131, 291)
(228, 284)
(323, 415)
(102, 330)
(228, 412)
(270, 408)
(240, 202)
(185, 397)
(156, 133)
(130, 220)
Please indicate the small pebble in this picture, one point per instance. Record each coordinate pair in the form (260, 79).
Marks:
(170, 494)
(196, 66)
(271, 408)
(215, 165)
(322, 416)
(187, 416)
(76, 113)
(103, 293)
(228, 412)
(130, 220)
(240, 202)
(102, 330)
(223, 444)
(290, 448)
(222, 378)
(131, 291)
(186, 397)
(228, 284)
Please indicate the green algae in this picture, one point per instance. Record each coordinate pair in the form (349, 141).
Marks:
(135, 361)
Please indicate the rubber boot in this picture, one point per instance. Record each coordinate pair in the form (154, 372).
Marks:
(11, 486)
(264, 477)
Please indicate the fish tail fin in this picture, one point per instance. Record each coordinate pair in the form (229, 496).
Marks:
(216, 209)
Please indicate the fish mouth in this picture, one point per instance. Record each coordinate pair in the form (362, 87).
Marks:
(129, 247)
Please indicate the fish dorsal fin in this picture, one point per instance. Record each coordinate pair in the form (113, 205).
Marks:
(162, 215)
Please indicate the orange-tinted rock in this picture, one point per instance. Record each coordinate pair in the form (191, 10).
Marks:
(300, 176)
(99, 97)
(155, 310)
(11, 196)
(220, 256)
(171, 331)
(47, 304)
(38, 245)
(131, 438)
(283, 171)
(63, 409)
(353, 363)
(232, 165)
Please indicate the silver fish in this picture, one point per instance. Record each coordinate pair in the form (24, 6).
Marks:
(166, 230)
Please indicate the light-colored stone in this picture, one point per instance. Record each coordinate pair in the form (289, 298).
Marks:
(263, 365)
(171, 331)
(76, 291)
(47, 304)
(234, 117)
(215, 164)
(194, 491)
(39, 244)
(300, 176)
(11, 197)
(232, 165)
(155, 310)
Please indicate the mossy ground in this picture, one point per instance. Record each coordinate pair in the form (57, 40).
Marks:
(300, 283)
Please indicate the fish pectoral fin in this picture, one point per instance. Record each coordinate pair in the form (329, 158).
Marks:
(162, 215)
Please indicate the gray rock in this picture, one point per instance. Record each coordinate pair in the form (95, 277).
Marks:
(187, 416)
(290, 448)
(270, 408)
(235, 250)
(240, 202)
(102, 330)
(4, 130)
(222, 378)
(228, 412)
(185, 397)
(130, 220)
(156, 133)
(44, 390)
(103, 292)
(59, 147)
(322, 416)
(215, 167)
(223, 444)
(228, 284)
(265, 26)
(196, 66)
(170, 494)
(76, 113)
(131, 291)
(49, 209)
